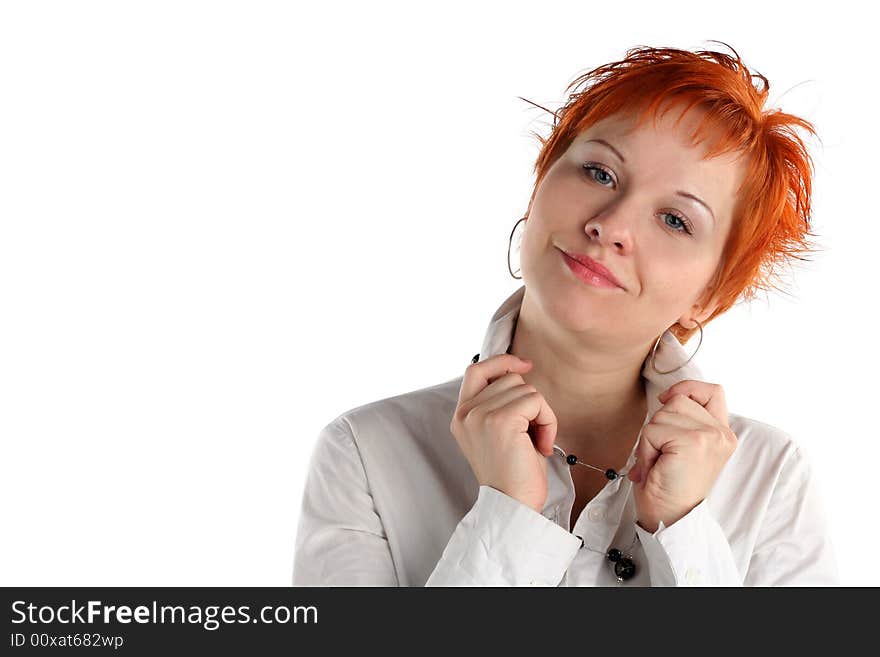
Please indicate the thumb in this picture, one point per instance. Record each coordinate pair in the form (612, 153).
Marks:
(634, 475)
(545, 437)
(646, 456)
(546, 425)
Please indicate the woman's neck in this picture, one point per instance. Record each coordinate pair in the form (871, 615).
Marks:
(596, 391)
(604, 438)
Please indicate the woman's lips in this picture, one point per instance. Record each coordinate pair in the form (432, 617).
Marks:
(587, 275)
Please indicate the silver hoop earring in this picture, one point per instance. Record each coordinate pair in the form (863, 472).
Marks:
(654, 351)
(509, 243)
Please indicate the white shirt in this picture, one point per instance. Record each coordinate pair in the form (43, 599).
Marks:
(390, 500)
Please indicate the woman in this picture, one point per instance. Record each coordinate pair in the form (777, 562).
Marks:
(582, 446)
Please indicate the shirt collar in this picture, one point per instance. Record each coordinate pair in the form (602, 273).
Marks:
(670, 353)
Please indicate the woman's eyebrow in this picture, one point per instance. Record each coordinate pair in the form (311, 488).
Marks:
(680, 193)
(700, 201)
(606, 144)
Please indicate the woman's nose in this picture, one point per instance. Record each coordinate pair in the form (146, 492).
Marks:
(612, 228)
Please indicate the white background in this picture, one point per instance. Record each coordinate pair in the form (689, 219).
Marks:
(225, 223)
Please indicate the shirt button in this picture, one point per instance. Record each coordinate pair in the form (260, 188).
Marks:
(596, 514)
(692, 576)
(538, 582)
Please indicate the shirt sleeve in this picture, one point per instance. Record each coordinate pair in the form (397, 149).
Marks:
(692, 551)
(793, 547)
(340, 539)
(503, 542)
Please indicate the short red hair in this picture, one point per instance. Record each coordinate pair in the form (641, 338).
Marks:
(773, 220)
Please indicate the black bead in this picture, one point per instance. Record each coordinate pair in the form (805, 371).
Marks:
(625, 568)
(613, 554)
(571, 459)
(611, 473)
(476, 358)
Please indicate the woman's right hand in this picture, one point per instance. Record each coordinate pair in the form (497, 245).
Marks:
(491, 424)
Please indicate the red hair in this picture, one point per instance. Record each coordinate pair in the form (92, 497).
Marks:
(772, 221)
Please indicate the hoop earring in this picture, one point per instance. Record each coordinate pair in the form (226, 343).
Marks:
(509, 243)
(654, 351)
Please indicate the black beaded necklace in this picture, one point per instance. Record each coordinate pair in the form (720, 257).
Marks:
(624, 566)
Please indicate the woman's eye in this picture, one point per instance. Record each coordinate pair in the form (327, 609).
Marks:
(683, 225)
(604, 176)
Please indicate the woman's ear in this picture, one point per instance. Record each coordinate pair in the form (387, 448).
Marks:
(701, 313)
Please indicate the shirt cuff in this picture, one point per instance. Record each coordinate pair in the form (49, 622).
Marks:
(503, 542)
(692, 551)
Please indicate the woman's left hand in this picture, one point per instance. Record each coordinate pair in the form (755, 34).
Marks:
(681, 452)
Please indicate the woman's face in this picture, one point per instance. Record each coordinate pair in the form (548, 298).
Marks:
(619, 204)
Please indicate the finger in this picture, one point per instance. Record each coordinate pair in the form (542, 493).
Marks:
(546, 426)
(689, 415)
(646, 455)
(654, 440)
(708, 395)
(675, 415)
(502, 398)
(521, 404)
(478, 375)
(502, 383)
(535, 411)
